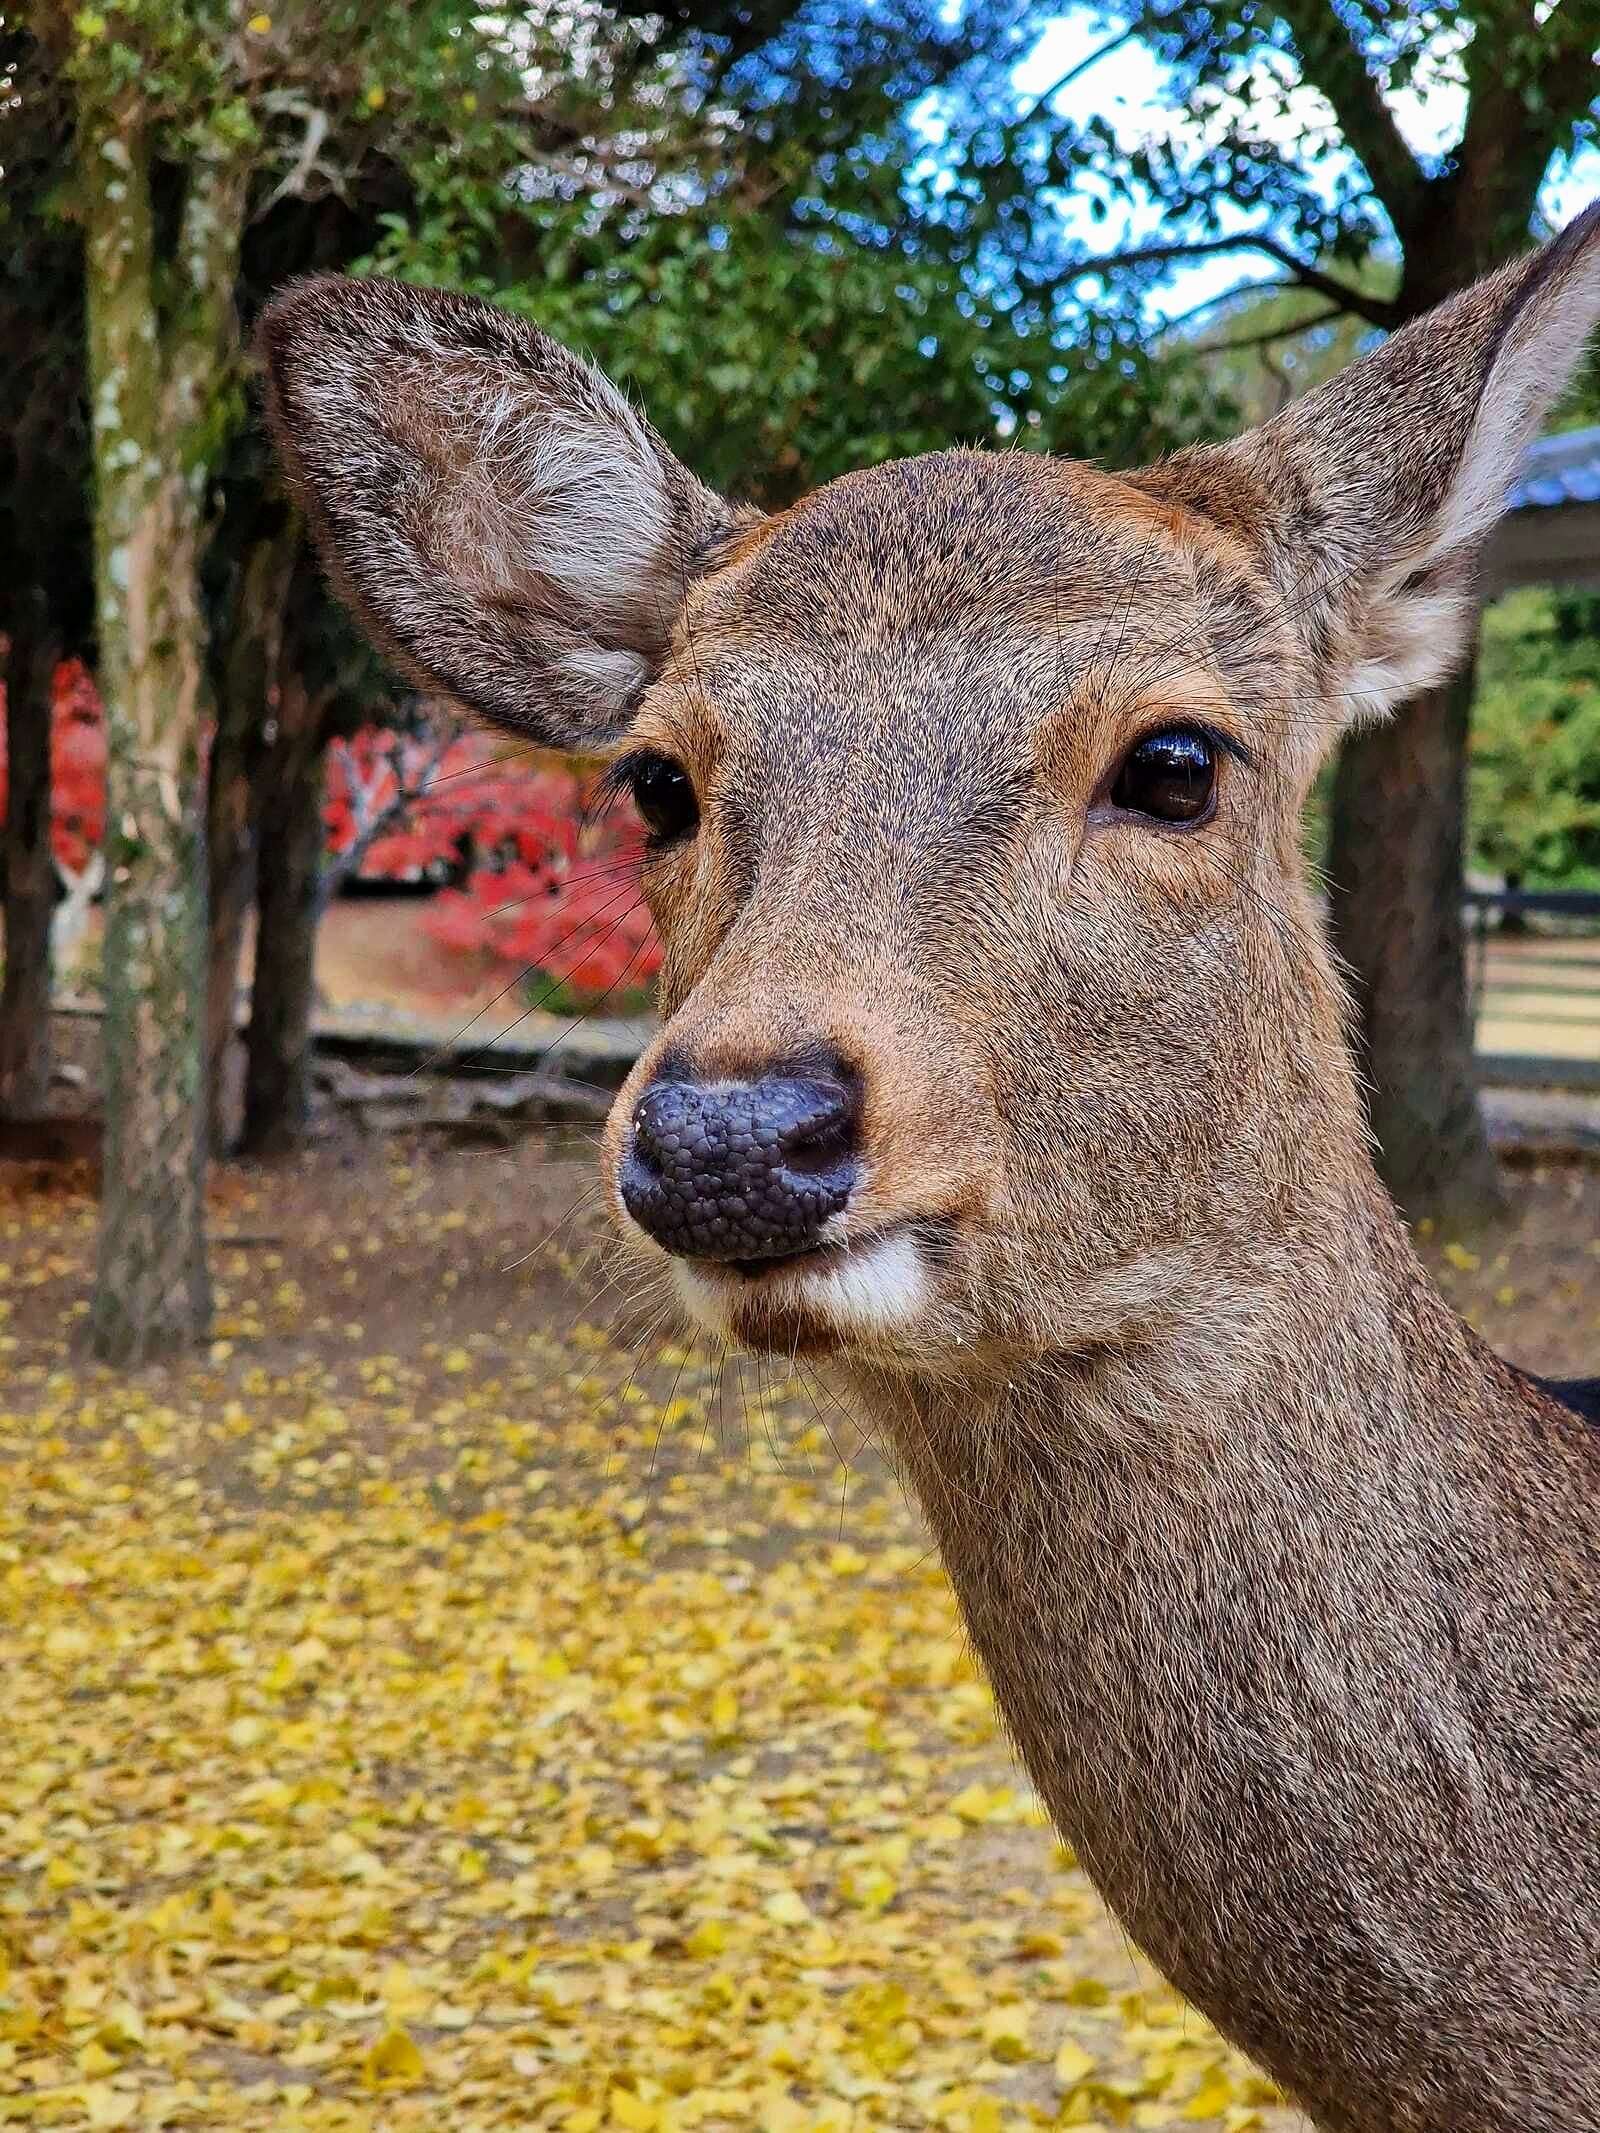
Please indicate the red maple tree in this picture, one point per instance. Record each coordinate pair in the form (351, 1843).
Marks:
(545, 879)
(77, 768)
(548, 874)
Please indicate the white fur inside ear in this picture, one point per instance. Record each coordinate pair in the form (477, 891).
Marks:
(589, 497)
(1539, 354)
(1414, 636)
(572, 496)
(618, 678)
(1413, 640)
(1408, 457)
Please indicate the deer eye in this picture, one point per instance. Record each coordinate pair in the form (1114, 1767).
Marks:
(664, 795)
(1171, 777)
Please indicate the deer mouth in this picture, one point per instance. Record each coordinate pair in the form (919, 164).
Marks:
(866, 1291)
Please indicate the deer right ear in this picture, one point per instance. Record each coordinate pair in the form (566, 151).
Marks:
(510, 531)
(1370, 500)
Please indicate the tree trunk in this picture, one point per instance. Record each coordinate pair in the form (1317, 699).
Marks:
(230, 868)
(239, 748)
(1395, 858)
(30, 882)
(291, 838)
(151, 377)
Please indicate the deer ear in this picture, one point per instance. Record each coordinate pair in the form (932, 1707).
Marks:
(1369, 501)
(510, 531)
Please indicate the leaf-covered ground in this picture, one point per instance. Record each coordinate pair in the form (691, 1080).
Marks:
(417, 1716)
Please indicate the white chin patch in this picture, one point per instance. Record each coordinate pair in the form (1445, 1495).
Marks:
(877, 1290)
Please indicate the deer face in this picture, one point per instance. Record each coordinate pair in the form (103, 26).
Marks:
(972, 853)
(996, 1017)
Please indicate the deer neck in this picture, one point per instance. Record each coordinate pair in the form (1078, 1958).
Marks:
(1293, 1610)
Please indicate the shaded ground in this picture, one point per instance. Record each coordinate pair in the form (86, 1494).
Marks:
(374, 950)
(419, 1717)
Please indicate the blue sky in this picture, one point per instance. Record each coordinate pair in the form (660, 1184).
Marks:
(1128, 84)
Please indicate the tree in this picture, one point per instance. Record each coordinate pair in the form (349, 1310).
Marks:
(25, 1052)
(186, 119)
(159, 320)
(247, 673)
(1278, 144)
(45, 595)
(289, 904)
(549, 858)
(267, 614)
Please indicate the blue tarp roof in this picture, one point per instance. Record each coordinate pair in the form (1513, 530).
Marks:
(1558, 470)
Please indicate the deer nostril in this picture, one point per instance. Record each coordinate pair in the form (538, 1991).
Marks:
(820, 1141)
(740, 1170)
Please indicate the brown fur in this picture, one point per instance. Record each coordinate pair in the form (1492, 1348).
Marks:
(1289, 1590)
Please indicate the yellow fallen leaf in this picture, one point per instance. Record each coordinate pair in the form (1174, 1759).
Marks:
(1005, 2031)
(709, 1937)
(393, 2061)
(1073, 2065)
(1211, 2098)
(868, 1888)
(1086, 1992)
(105, 2106)
(633, 2113)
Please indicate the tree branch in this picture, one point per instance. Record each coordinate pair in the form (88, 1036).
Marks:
(1269, 334)
(1376, 310)
(1065, 81)
(1332, 61)
(372, 822)
(1228, 296)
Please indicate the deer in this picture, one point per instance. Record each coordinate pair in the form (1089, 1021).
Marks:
(1003, 1066)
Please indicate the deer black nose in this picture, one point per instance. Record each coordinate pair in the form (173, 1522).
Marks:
(741, 1169)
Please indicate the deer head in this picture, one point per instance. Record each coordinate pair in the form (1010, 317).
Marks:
(996, 1014)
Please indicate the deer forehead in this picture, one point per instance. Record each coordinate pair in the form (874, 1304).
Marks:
(959, 538)
(960, 612)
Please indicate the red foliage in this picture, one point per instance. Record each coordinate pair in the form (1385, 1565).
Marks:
(551, 885)
(77, 767)
(378, 775)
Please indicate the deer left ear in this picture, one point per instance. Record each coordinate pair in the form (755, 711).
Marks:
(508, 527)
(1369, 501)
